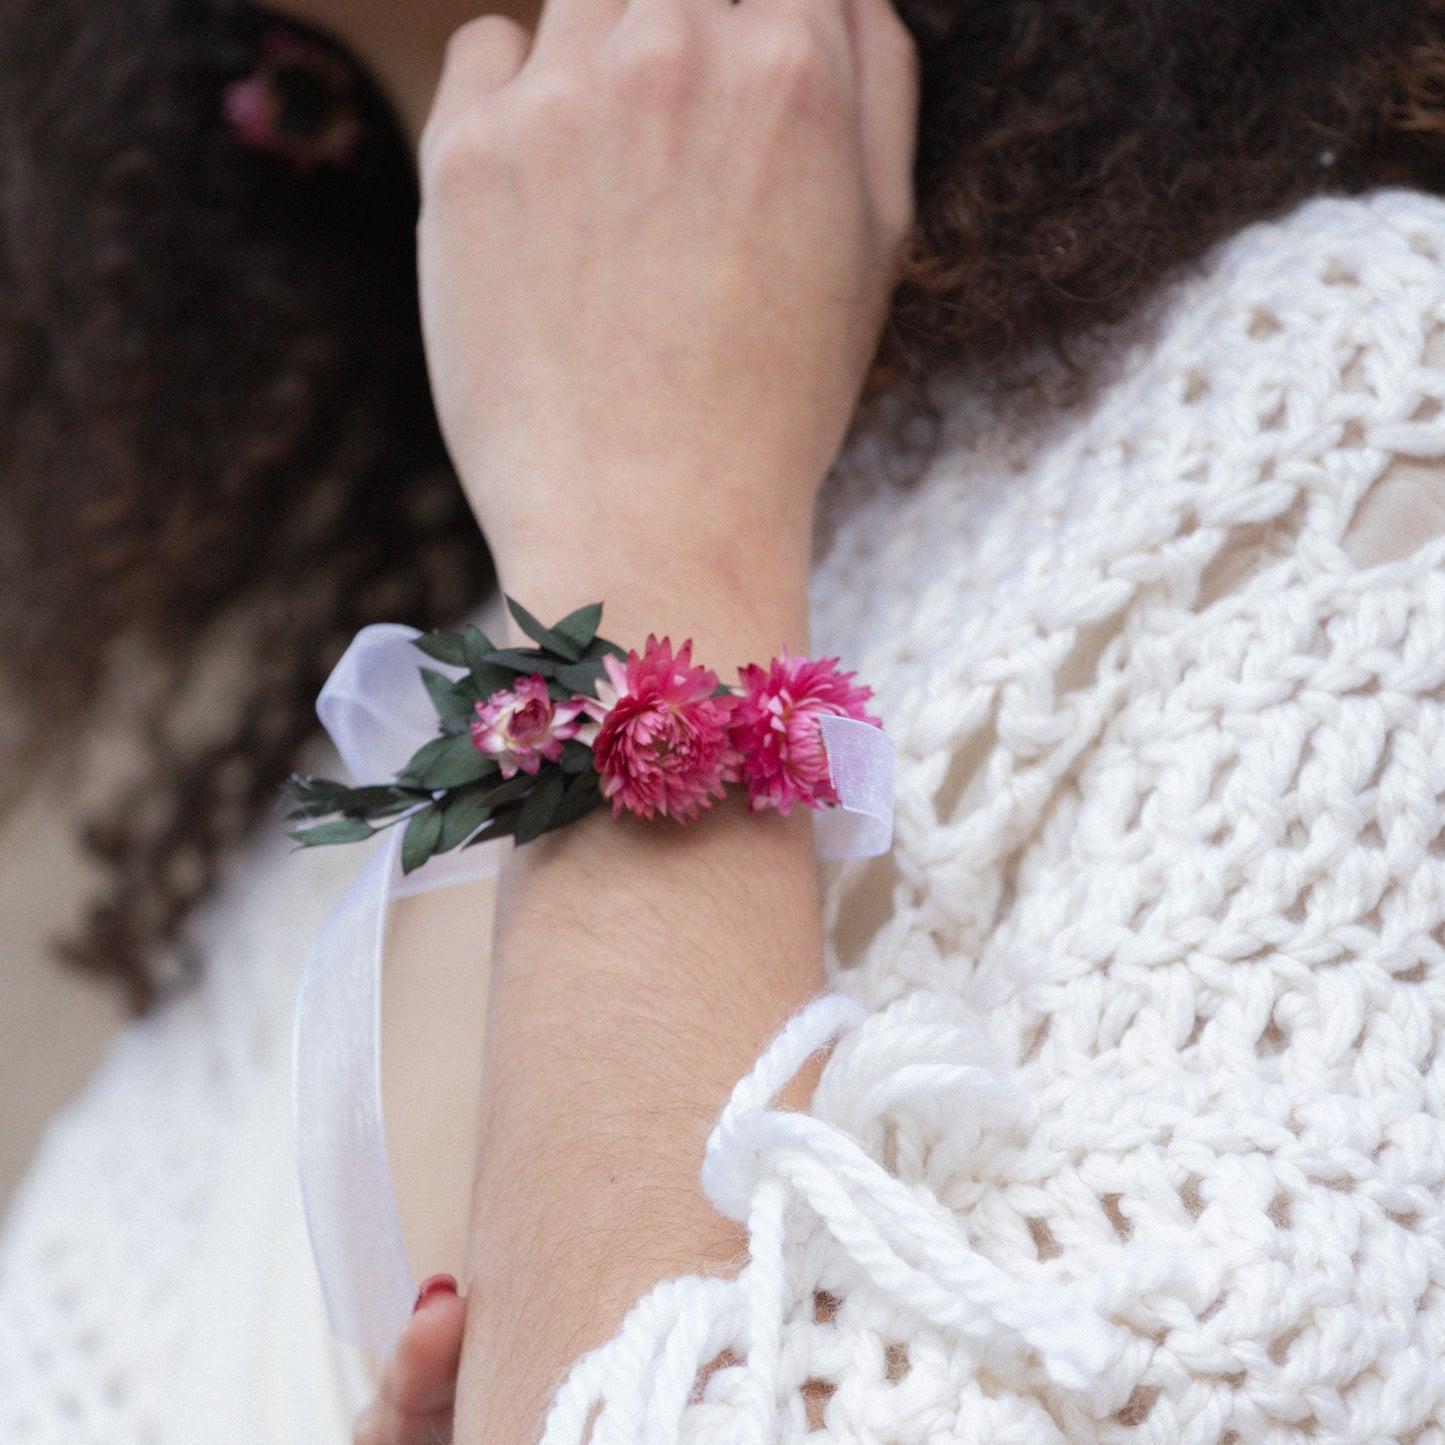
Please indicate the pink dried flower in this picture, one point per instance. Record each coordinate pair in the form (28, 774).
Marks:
(776, 731)
(521, 726)
(663, 744)
(299, 103)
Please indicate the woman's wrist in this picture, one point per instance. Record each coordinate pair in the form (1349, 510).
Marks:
(637, 972)
(734, 610)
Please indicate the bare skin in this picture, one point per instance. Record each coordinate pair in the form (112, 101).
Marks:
(660, 336)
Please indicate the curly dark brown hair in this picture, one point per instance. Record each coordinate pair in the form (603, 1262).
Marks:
(217, 429)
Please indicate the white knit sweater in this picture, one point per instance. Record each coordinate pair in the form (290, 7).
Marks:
(1154, 974)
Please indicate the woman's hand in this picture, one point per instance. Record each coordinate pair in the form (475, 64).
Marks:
(657, 248)
(413, 1405)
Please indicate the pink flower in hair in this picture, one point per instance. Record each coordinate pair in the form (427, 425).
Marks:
(662, 745)
(522, 726)
(300, 103)
(777, 734)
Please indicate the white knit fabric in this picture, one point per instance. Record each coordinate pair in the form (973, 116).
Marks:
(1133, 1129)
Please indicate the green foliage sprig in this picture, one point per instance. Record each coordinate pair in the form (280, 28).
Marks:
(450, 794)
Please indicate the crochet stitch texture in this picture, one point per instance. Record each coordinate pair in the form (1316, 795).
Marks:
(1133, 1131)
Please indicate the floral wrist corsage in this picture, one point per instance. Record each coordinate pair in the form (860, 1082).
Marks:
(533, 738)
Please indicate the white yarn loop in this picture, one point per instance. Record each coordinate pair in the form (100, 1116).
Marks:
(728, 1172)
(760, 1162)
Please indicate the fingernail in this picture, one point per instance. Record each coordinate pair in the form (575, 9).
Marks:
(434, 1284)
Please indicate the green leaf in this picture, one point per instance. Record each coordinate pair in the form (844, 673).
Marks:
(422, 759)
(381, 801)
(581, 676)
(539, 805)
(508, 792)
(462, 814)
(456, 763)
(350, 830)
(488, 678)
(317, 796)
(465, 695)
(576, 757)
(443, 693)
(519, 660)
(545, 637)
(475, 647)
(580, 627)
(583, 793)
(501, 826)
(600, 648)
(419, 841)
(444, 647)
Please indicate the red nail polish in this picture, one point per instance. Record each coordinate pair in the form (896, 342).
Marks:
(434, 1284)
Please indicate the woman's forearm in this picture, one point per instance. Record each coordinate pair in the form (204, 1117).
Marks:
(638, 968)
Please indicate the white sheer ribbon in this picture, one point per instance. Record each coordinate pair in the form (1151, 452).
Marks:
(376, 709)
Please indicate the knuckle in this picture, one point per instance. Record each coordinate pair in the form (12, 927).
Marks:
(661, 66)
(479, 36)
(552, 108)
(459, 156)
(790, 61)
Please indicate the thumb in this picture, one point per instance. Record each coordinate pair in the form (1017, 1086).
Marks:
(414, 1402)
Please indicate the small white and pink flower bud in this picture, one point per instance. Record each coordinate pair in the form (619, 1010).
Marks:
(523, 726)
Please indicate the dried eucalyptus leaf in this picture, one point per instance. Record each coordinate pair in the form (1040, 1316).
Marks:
(349, 830)
(444, 647)
(419, 841)
(510, 791)
(442, 691)
(543, 636)
(503, 825)
(422, 759)
(539, 805)
(489, 678)
(581, 676)
(520, 660)
(462, 814)
(314, 793)
(580, 627)
(583, 794)
(457, 763)
(576, 757)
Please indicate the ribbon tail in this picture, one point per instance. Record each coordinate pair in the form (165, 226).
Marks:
(860, 765)
(346, 1185)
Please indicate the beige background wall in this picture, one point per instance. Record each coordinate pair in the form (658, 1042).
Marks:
(54, 1024)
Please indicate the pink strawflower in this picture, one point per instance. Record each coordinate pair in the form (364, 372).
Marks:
(776, 732)
(521, 726)
(663, 745)
(299, 103)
